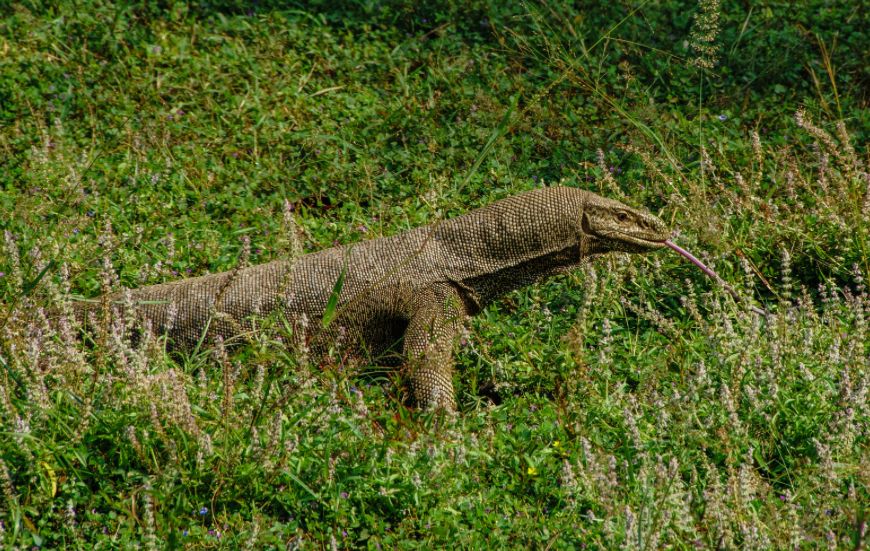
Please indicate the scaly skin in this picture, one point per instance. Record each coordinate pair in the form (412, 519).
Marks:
(411, 292)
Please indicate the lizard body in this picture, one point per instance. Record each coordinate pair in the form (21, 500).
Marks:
(412, 290)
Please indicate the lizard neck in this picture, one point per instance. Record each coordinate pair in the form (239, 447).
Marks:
(483, 290)
(513, 242)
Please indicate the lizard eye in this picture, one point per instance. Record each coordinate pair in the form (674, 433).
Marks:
(622, 217)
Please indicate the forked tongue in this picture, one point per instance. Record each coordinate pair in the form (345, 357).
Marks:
(709, 271)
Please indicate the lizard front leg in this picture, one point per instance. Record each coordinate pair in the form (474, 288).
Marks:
(428, 346)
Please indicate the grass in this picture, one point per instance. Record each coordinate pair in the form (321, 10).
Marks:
(631, 404)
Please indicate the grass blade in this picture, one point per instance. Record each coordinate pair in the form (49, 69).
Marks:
(331, 310)
(496, 134)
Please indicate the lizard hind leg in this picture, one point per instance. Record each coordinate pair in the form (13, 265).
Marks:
(428, 347)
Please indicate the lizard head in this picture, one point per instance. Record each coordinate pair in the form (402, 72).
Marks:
(609, 225)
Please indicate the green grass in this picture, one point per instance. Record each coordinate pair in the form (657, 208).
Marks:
(631, 404)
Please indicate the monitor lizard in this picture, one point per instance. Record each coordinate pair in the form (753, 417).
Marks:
(408, 293)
